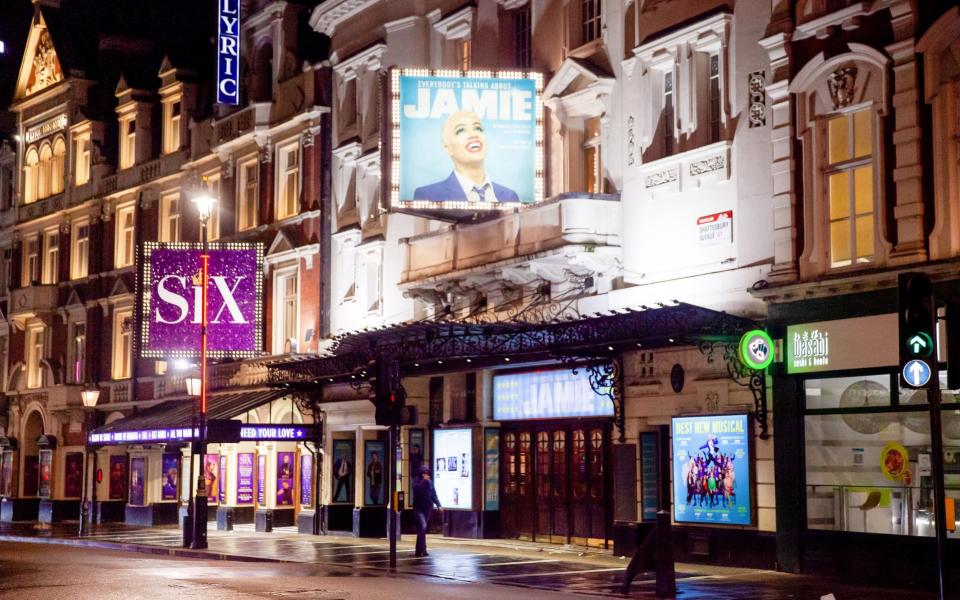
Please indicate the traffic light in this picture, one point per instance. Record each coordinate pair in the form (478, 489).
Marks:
(918, 329)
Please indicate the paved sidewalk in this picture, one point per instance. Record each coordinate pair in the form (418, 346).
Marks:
(507, 562)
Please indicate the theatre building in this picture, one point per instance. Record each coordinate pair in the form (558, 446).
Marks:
(117, 134)
(551, 321)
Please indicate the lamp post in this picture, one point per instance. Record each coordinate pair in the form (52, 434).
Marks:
(89, 395)
(205, 202)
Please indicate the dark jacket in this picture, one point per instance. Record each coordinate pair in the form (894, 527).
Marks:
(450, 189)
(424, 495)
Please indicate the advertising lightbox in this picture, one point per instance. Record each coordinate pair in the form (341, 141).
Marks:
(711, 469)
(453, 467)
(465, 140)
(553, 394)
(171, 300)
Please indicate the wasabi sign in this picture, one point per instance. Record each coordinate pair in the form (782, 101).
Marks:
(465, 140)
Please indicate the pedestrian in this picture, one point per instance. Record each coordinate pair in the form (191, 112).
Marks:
(424, 499)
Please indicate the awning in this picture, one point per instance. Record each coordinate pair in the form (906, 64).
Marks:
(173, 420)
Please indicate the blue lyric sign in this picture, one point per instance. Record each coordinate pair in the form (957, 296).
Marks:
(228, 51)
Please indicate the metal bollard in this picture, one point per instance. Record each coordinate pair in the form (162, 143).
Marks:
(666, 574)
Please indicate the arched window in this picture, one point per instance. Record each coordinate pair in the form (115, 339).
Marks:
(46, 171)
(263, 74)
(59, 157)
(31, 171)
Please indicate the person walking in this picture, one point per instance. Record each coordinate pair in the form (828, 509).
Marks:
(424, 499)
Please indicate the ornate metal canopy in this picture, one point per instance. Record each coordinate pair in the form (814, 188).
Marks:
(593, 342)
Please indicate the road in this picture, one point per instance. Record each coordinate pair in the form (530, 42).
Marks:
(51, 572)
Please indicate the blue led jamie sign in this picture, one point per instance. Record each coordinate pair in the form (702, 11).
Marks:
(228, 52)
(551, 394)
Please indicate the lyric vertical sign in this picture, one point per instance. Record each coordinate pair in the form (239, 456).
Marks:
(228, 52)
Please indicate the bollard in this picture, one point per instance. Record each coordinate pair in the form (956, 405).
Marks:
(666, 574)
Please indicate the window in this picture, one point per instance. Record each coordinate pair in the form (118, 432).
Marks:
(122, 342)
(31, 175)
(31, 262)
(213, 223)
(590, 15)
(371, 284)
(669, 142)
(714, 77)
(81, 157)
(347, 271)
(249, 194)
(35, 353)
(57, 166)
(864, 441)
(463, 54)
(77, 354)
(286, 312)
(51, 257)
(125, 240)
(171, 126)
(288, 192)
(7, 274)
(80, 251)
(849, 189)
(522, 34)
(592, 166)
(128, 136)
(170, 218)
(46, 171)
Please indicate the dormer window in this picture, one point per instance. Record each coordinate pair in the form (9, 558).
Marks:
(128, 136)
(171, 125)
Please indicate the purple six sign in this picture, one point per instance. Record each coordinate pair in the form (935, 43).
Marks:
(172, 307)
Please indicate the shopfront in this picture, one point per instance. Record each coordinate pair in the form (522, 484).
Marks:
(859, 494)
(260, 465)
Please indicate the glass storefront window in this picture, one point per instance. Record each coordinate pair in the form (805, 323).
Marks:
(868, 470)
(863, 391)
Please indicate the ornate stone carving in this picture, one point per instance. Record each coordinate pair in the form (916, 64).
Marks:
(631, 141)
(46, 71)
(757, 88)
(714, 163)
(266, 152)
(842, 85)
(660, 177)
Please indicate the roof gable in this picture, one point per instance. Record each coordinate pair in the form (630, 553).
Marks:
(41, 66)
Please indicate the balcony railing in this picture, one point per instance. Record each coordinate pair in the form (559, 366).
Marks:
(569, 219)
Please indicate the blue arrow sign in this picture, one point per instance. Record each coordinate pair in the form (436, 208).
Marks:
(916, 373)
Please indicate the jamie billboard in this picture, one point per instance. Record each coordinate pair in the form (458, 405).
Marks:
(465, 140)
(550, 394)
(711, 469)
(172, 307)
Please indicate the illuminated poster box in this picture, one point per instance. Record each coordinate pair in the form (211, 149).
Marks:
(453, 467)
(840, 344)
(465, 140)
(171, 307)
(711, 470)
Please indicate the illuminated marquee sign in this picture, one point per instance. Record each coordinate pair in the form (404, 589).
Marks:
(171, 303)
(228, 52)
(838, 345)
(218, 430)
(465, 140)
(554, 394)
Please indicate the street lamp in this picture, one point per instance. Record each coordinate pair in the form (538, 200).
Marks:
(205, 203)
(89, 396)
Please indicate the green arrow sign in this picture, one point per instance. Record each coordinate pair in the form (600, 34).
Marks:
(920, 344)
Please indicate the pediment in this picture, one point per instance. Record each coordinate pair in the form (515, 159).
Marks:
(74, 298)
(41, 66)
(120, 288)
(579, 87)
(280, 244)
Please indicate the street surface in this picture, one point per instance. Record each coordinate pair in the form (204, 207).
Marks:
(289, 565)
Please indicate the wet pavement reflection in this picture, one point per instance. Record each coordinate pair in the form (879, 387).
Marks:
(530, 567)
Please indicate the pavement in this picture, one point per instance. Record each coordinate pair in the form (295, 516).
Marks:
(503, 564)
